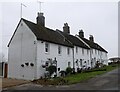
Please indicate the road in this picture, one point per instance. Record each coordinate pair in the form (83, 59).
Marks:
(108, 81)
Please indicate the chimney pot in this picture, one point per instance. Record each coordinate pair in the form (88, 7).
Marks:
(91, 38)
(81, 33)
(66, 28)
(40, 19)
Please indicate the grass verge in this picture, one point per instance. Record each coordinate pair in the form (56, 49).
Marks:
(78, 77)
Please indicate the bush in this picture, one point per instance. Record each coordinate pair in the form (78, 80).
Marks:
(93, 70)
(73, 71)
(104, 65)
(63, 73)
(79, 70)
(69, 70)
(51, 69)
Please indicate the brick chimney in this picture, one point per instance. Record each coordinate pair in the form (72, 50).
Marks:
(66, 28)
(81, 33)
(40, 19)
(91, 38)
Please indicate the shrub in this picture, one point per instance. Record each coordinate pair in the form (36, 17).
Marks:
(73, 71)
(51, 69)
(63, 73)
(69, 70)
(79, 70)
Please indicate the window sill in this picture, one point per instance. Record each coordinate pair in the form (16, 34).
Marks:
(59, 54)
(47, 53)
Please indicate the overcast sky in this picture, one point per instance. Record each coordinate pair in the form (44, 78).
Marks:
(99, 19)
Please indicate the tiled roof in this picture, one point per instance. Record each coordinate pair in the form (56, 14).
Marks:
(58, 37)
(46, 34)
(93, 45)
(74, 40)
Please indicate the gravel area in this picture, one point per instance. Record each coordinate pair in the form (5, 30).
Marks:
(7, 82)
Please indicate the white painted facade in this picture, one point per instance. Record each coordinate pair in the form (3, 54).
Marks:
(82, 56)
(98, 55)
(25, 48)
(22, 50)
(62, 59)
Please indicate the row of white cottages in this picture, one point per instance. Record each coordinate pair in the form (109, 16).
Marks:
(33, 44)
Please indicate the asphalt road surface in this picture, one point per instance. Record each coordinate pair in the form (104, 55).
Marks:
(108, 81)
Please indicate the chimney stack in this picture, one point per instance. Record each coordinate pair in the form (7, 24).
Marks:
(91, 38)
(66, 28)
(81, 33)
(40, 19)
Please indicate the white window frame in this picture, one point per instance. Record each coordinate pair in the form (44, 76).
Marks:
(76, 49)
(87, 51)
(59, 50)
(88, 62)
(68, 51)
(92, 51)
(83, 51)
(47, 47)
(95, 51)
(69, 64)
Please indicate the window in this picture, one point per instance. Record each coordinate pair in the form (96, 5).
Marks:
(87, 51)
(58, 69)
(68, 51)
(76, 49)
(80, 62)
(88, 62)
(95, 51)
(76, 62)
(92, 51)
(69, 64)
(46, 47)
(98, 52)
(82, 51)
(59, 49)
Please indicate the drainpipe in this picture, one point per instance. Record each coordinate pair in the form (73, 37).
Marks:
(35, 63)
(91, 56)
(73, 59)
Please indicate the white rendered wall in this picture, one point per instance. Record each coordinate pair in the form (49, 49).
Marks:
(84, 56)
(21, 51)
(42, 57)
(99, 56)
(105, 58)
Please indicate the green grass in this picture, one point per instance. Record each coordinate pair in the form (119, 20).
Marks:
(76, 78)
(82, 76)
(79, 77)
